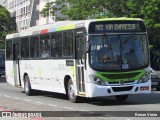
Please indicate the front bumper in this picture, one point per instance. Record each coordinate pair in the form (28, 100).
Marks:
(102, 91)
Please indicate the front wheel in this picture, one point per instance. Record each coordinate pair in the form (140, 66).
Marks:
(27, 86)
(71, 92)
(121, 97)
(158, 88)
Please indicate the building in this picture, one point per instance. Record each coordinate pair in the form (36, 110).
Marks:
(26, 13)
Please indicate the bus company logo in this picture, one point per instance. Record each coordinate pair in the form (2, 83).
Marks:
(121, 82)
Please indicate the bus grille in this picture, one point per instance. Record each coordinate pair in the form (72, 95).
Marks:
(124, 82)
(120, 89)
(121, 76)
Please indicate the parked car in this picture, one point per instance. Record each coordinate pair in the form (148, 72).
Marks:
(155, 78)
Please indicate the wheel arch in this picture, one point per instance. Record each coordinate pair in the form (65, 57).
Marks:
(24, 76)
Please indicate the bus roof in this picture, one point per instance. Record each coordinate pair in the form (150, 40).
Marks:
(62, 25)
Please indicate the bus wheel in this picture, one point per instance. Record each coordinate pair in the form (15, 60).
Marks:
(27, 86)
(121, 97)
(71, 92)
(158, 88)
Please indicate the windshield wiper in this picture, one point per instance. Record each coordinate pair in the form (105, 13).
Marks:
(126, 40)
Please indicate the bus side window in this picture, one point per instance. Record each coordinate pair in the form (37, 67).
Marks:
(9, 49)
(34, 47)
(24, 47)
(45, 46)
(56, 45)
(68, 43)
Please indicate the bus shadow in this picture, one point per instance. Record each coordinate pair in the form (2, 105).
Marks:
(3, 79)
(153, 98)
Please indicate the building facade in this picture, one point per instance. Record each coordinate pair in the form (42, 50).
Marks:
(27, 12)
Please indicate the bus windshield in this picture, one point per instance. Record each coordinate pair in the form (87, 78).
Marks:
(118, 52)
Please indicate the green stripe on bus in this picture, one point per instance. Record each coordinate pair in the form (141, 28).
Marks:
(72, 69)
(39, 71)
(67, 27)
(12, 72)
(101, 75)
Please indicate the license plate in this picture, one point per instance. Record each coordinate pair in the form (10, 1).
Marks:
(154, 83)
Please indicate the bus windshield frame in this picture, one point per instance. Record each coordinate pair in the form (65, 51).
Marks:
(118, 52)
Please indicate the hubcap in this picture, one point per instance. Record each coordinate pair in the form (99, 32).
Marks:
(71, 91)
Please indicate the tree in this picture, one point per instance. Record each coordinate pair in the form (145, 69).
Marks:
(75, 9)
(5, 25)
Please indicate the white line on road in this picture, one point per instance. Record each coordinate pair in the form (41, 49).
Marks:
(39, 102)
(52, 105)
(26, 100)
(7, 96)
(68, 108)
(16, 98)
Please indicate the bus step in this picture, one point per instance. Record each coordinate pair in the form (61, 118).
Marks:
(81, 94)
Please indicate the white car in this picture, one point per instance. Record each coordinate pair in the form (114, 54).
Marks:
(155, 78)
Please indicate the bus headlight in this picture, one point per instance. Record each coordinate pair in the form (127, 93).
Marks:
(145, 78)
(97, 81)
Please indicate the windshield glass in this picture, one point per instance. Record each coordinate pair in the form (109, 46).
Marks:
(116, 52)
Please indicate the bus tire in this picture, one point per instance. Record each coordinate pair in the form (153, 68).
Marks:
(121, 97)
(27, 87)
(71, 92)
(158, 88)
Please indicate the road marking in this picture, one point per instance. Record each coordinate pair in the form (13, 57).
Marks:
(83, 110)
(52, 105)
(26, 100)
(39, 102)
(68, 108)
(7, 96)
(16, 98)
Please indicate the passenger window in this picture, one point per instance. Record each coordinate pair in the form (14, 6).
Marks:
(56, 45)
(8, 49)
(34, 47)
(45, 46)
(68, 43)
(25, 48)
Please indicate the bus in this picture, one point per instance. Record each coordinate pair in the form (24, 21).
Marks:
(2, 62)
(81, 58)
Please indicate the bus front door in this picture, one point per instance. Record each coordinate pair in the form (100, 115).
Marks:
(80, 56)
(16, 65)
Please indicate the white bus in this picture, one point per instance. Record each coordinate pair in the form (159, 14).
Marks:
(87, 58)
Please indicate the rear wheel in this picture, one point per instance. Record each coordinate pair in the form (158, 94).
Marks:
(27, 86)
(71, 92)
(121, 97)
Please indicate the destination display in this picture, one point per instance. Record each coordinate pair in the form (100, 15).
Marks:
(116, 26)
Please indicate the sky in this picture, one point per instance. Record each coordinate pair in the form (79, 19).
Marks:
(1, 1)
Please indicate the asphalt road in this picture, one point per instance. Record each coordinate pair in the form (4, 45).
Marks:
(14, 99)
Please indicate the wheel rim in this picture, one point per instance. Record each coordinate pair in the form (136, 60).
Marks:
(71, 91)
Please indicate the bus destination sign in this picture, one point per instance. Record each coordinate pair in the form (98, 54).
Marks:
(120, 26)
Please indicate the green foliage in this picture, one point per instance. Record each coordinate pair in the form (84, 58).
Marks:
(5, 25)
